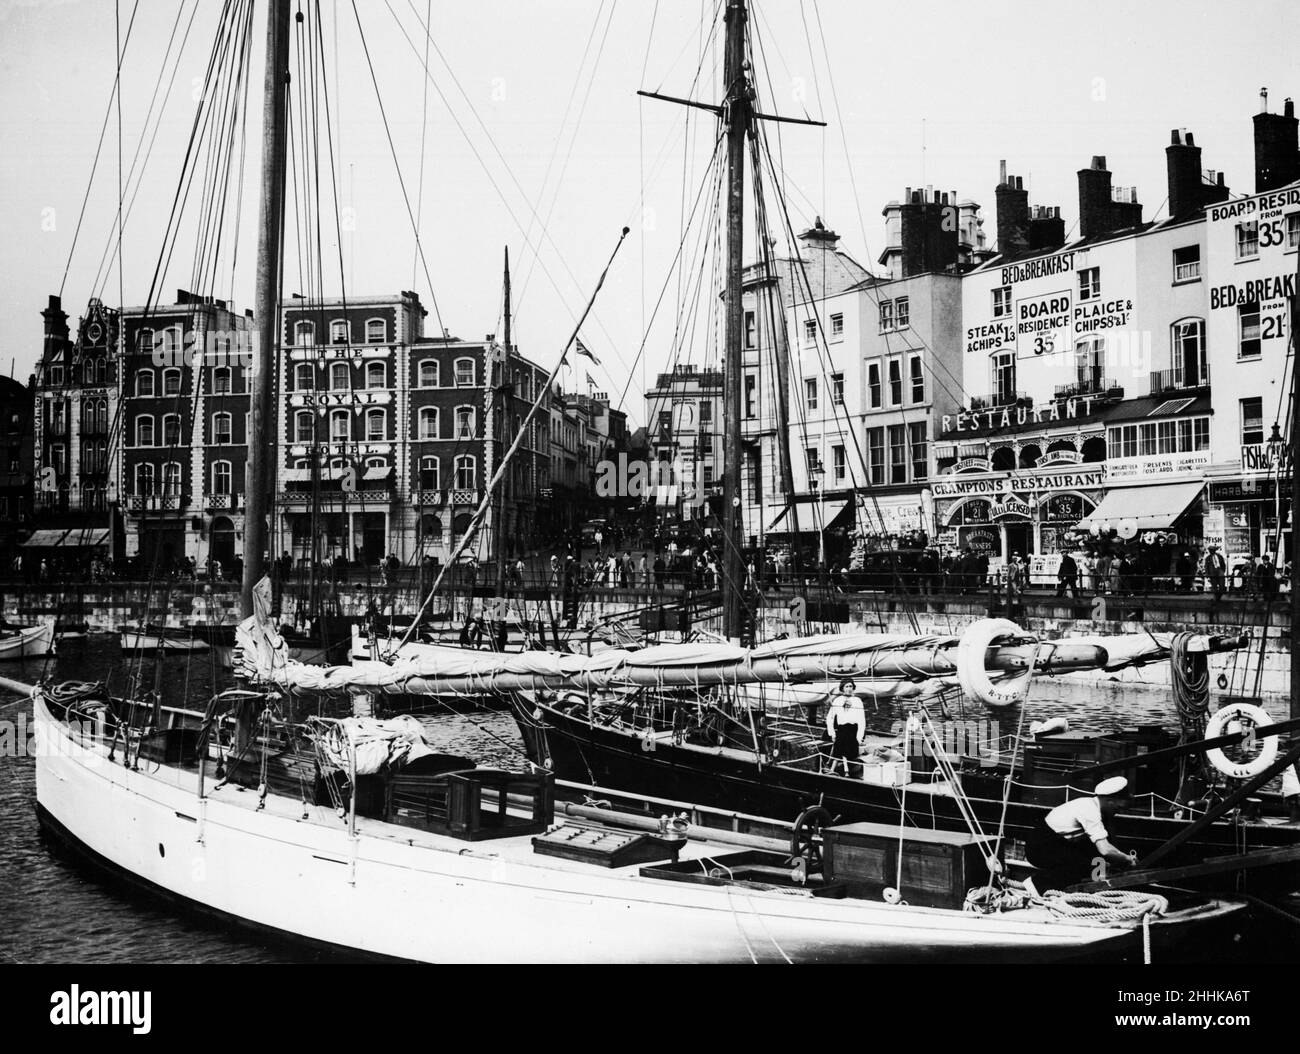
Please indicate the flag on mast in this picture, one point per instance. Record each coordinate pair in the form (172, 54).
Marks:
(583, 350)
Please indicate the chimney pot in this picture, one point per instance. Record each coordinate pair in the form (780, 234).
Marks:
(1288, 108)
(1098, 162)
(1173, 137)
(1002, 171)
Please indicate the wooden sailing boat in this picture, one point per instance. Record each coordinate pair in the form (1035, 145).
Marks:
(355, 834)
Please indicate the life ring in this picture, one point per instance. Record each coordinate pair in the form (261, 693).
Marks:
(1268, 746)
(972, 675)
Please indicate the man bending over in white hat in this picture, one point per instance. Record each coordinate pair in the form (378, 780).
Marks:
(1072, 836)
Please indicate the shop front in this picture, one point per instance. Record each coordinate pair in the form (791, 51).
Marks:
(1031, 512)
(1243, 518)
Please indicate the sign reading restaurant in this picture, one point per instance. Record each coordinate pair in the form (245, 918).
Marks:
(1017, 416)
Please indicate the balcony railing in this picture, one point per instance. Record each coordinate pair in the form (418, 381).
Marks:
(1090, 386)
(1179, 379)
(154, 503)
(998, 400)
(216, 502)
(428, 498)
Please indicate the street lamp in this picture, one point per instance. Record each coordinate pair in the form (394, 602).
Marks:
(818, 473)
(1276, 451)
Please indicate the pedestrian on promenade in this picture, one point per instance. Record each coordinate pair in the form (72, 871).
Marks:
(644, 567)
(1067, 576)
(1215, 570)
(659, 573)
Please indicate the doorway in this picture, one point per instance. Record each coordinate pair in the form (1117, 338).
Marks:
(1019, 539)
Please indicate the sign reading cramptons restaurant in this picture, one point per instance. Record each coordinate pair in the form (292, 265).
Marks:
(999, 483)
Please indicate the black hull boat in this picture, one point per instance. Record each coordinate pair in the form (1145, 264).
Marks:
(560, 738)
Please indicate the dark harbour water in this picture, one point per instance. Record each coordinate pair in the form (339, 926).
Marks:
(56, 909)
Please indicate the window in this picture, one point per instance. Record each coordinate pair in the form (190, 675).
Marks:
(464, 422)
(837, 389)
(918, 442)
(895, 382)
(144, 479)
(886, 316)
(1002, 301)
(1247, 239)
(751, 329)
(376, 331)
(875, 388)
(706, 414)
(902, 312)
(1201, 433)
(144, 430)
(88, 371)
(171, 382)
(429, 473)
(376, 375)
(1252, 421)
(751, 395)
(304, 377)
(340, 332)
(810, 392)
(1293, 231)
(171, 479)
(340, 377)
(1089, 354)
(813, 463)
(1004, 377)
(917, 374)
(839, 463)
(428, 373)
(1188, 339)
(56, 375)
(1166, 437)
(465, 472)
(1089, 283)
(171, 341)
(1187, 264)
(376, 426)
(754, 464)
(304, 430)
(1248, 327)
(144, 383)
(428, 422)
(221, 477)
(876, 455)
(221, 380)
(144, 341)
(809, 331)
(837, 327)
(304, 333)
(172, 430)
(464, 373)
(897, 454)
(222, 429)
(340, 426)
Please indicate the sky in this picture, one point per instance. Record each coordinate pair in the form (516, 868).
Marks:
(527, 132)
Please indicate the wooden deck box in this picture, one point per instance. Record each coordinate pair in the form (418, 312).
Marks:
(939, 867)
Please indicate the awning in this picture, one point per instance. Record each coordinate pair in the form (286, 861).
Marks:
(86, 538)
(46, 538)
(378, 472)
(295, 475)
(809, 517)
(1152, 508)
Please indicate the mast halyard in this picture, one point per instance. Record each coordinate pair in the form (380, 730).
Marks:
(260, 481)
(504, 390)
(737, 113)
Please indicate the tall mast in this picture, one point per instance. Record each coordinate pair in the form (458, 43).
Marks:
(504, 420)
(1291, 457)
(738, 115)
(261, 472)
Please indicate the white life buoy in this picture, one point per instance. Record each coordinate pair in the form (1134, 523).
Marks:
(971, 674)
(1218, 726)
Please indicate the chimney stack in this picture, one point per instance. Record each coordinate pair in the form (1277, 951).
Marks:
(56, 328)
(1103, 208)
(1277, 147)
(928, 232)
(1183, 164)
(1012, 202)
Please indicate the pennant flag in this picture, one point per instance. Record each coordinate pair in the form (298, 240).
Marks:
(582, 350)
(590, 382)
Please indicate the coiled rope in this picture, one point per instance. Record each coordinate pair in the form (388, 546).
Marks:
(1106, 907)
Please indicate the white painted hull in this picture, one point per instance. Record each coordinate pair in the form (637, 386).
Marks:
(137, 640)
(410, 895)
(29, 642)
